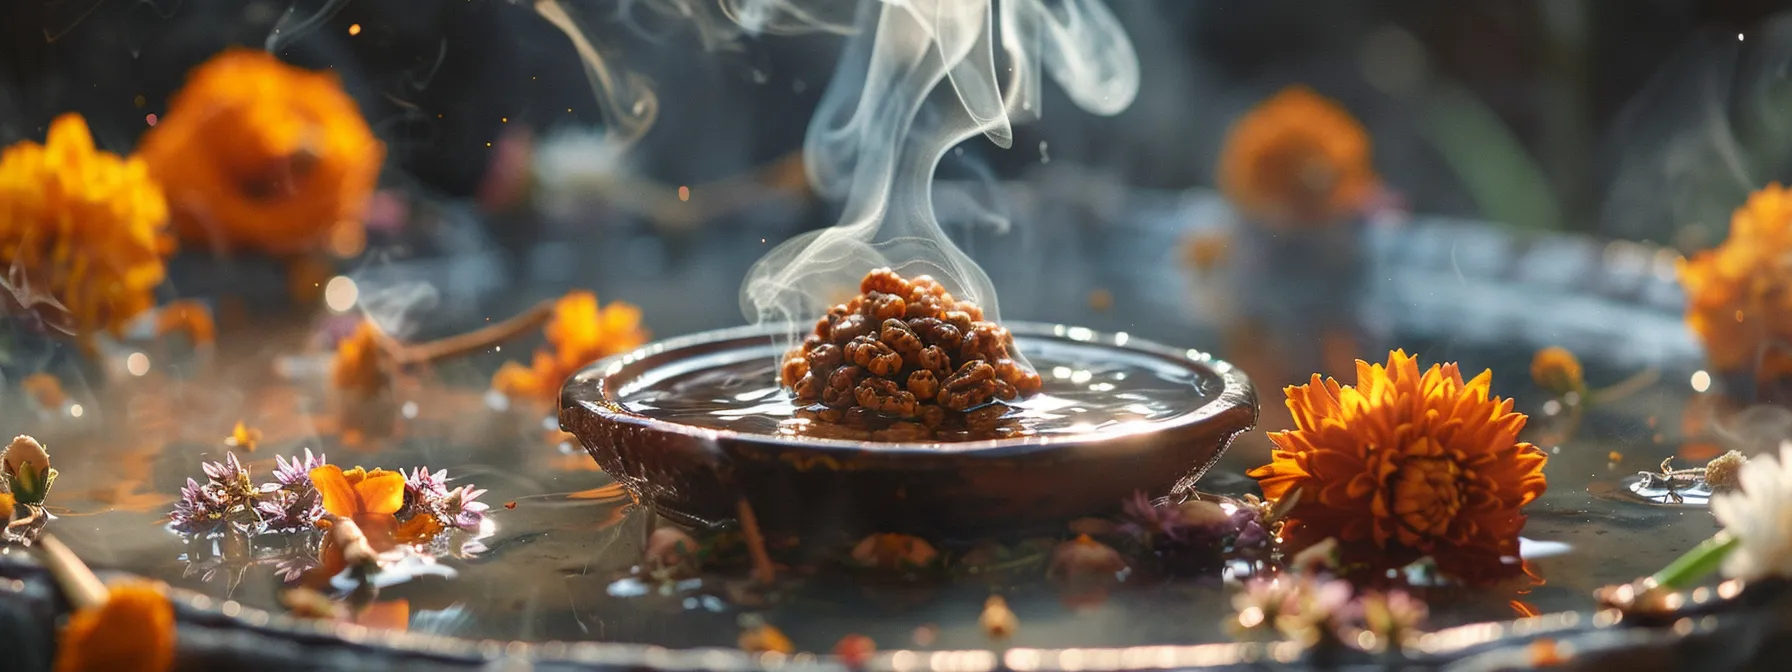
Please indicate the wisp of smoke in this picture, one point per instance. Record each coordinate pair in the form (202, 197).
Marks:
(886, 120)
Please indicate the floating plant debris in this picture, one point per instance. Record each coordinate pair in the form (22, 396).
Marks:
(906, 350)
(133, 629)
(243, 437)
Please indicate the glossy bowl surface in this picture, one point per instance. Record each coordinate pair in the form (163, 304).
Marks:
(794, 483)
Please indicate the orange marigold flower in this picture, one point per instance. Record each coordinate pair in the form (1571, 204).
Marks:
(133, 630)
(1556, 369)
(45, 389)
(82, 232)
(357, 491)
(1413, 463)
(189, 317)
(579, 333)
(243, 437)
(257, 154)
(1739, 294)
(1297, 159)
(360, 363)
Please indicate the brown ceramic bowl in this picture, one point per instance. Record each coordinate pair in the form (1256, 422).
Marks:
(1177, 411)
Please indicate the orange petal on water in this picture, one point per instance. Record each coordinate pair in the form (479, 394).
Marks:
(339, 496)
(381, 492)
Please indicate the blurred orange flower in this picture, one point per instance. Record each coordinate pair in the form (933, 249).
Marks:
(1412, 463)
(579, 333)
(360, 363)
(133, 630)
(189, 317)
(1297, 159)
(45, 389)
(82, 232)
(357, 491)
(1557, 370)
(257, 154)
(1739, 294)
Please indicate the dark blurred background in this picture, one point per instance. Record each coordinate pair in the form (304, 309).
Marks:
(1640, 118)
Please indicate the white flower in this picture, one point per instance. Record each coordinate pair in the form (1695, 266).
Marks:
(1759, 516)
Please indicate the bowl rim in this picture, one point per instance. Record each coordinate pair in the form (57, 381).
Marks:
(590, 388)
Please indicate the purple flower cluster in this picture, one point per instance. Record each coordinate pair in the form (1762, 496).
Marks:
(230, 499)
(427, 492)
(1313, 611)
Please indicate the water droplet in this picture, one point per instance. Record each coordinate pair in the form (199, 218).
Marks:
(409, 409)
(137, 364)
(759, 76)
(1043, 156)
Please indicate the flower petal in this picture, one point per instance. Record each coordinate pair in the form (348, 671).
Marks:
(339, 496)
(382, 492)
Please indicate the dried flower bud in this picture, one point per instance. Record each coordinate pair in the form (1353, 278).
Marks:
(1724, 471)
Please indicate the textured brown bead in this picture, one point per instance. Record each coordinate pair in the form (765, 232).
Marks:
(973, 384)
(924, 306)
(984, 341)
(885, 396)
(808, 388)
(840, 385)
(1004, 390)
(923, 384)
(897, 335)
(886, 306)
(824, 328)
(794, 369)
(825, 357)
(972, 310)
(934, 359)
(932, 415)
(1024, 381)
(851, 327)
(985, 418)
(874, 356)
(886, 281)
(956, 318)
(935, 332)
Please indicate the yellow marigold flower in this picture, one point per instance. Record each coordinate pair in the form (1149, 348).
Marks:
(257, 154)
(1297, 159)
(244, 437)
(1739, 294)
(360, 363)
(1556, 369)
(84, 227)
(1411, 463)
(133, 630)
(189, 317)
(579, 333)
(357, 491)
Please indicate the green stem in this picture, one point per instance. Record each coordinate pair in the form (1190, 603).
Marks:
(1697, 563)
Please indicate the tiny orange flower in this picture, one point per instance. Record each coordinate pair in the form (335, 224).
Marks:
(1297, 159)
(1557, 370)
(1411, 463)
(133, 630)
(243, 437)
(45, 389)
(1205, 251)
(360, 364)
(1739, 294)
(357, 491)
(82, 233)
(188, 317)
(258, 154)
(579, 333)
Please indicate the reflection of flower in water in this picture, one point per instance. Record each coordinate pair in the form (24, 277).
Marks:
(1739, 294)
(81, 232)
(580, 333)
(1410, 463)
(258, 154)
(1297, 159)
